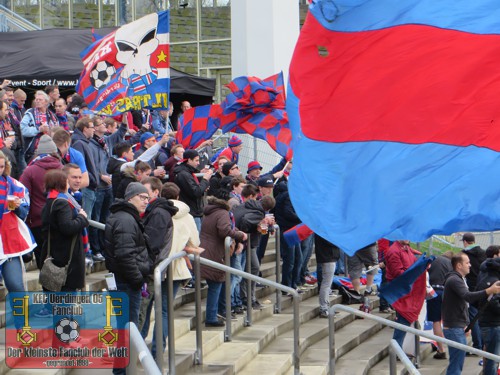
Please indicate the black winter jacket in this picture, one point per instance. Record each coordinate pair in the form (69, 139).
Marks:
(191, 191)
(159, 227)
(64, 225)
(284, 211)
(476, 256)
(489, 273)
(326, 252)
(126, 251)
(247, 217)
(113, 168)
(81, 143)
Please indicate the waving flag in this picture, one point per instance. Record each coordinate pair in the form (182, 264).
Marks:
(406, 293)
(255, 106)
(129, 68)
(198, 124)
(394, 114)
(296, 234)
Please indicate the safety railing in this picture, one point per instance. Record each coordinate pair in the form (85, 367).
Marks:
(292, 292)
(96, 224)
(166, 264)
(395, 352)
(390, 323)
(139, 349)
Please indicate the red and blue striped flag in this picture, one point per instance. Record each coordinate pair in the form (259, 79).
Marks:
(296, 234)
(394, 113)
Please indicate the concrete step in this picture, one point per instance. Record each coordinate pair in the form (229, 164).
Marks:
(431, 366)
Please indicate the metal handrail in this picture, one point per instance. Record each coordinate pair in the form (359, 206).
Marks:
(390, 323)
(165, 264)
(139, 349)
(18, 20)
(295, 297)
(396, 351)
(96, 224)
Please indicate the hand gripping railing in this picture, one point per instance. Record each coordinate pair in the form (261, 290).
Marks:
(139, 349)
(390, 323)
(295, 297)
(158, 272)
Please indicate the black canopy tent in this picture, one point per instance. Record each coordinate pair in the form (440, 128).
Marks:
(35, 59)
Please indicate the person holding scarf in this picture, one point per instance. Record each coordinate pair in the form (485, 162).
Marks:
(65, 220)
(16, 239)
(37, 122)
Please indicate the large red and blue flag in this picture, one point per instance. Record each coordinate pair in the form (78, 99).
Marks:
(393, 109)
(254, 106)
(129, 68)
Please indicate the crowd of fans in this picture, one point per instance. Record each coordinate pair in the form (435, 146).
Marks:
(156, 200)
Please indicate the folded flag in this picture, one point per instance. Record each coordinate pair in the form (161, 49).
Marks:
(128, 68)
(406, 293)
(296, 234)
(407, 124)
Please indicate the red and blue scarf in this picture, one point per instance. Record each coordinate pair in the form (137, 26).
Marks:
(53, 194)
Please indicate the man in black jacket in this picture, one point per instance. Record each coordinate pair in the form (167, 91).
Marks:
(476, 256)
(159, 229)
(126, 252)
(192, 189)
(489, 320)
(456, 297)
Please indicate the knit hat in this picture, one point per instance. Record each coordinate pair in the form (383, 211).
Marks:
(46, 146)
(133, 189)
(145, 137)
(254, 165)
(226, 167)
(190, 154)
(265, 182)
(234, 141)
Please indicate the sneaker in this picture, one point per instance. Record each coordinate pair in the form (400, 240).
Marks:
(259, 285)
(98, 257)
(218, 323)
(256, 305)
(89, 262)
(43, 313)
(440, 355)
(238, 310)
(385, 310)
(323, 314)
(189, 285)
(370, 292)
(311, 280)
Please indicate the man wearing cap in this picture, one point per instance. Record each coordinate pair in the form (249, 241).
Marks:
(254, 170)
(266, 185)
(476, 256)
(192, 189)
(126, 251)
(148, 140)
(234, 147)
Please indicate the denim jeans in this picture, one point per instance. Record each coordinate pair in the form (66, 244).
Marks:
(457, 357)
(134, 300)
(235, 286)
(340, 269)
(292, 260)
(197, 221)
(491, 340)
(399, 335)
(88, 200)
(12, 271)
(100, 213)
(306, 246)
(327, 271)
(254, 270)
(477, 341)
(214, 289)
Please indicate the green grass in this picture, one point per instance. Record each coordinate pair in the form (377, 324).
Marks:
(435, 248)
